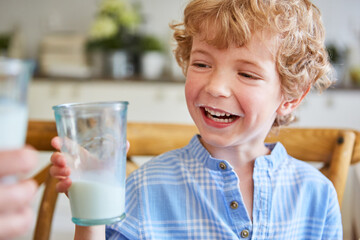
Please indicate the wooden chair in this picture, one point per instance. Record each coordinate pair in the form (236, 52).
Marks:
(335, 148)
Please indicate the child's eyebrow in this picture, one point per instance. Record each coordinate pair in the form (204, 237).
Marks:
(200, 51)
(242, 61)
(248, 62)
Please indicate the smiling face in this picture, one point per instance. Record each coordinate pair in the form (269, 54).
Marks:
(234, 94)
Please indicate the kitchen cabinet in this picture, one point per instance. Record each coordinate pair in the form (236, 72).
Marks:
(332, 108)
(165, 101)
(149, 101)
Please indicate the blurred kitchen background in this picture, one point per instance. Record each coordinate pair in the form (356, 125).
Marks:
(99, 50)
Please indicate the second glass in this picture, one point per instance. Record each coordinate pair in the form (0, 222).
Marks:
(15, 75)
(94, 144)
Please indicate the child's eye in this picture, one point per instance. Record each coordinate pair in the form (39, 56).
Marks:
(201, 65)
(246, 75)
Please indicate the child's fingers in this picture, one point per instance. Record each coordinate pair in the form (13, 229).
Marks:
(60, 172)
(58, 159)
(56, 143)
(63, 185)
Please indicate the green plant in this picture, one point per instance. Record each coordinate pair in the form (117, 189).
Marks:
(4, 41)
(334, 53)
(150, 43)
(114, 25)
(355, 74)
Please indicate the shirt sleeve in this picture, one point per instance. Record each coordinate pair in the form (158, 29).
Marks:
(111, 234)
(128, 228)
(333, 225)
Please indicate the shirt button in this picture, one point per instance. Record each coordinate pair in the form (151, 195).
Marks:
(244, 233)
(234, 205)
(222, 166)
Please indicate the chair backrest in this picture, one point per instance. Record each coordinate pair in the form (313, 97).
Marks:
(336, 148)
(332, 147)
(356, 151)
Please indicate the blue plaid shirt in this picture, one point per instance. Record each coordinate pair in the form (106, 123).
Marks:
(187, 194)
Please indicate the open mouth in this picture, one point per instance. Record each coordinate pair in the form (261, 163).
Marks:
(219, 116)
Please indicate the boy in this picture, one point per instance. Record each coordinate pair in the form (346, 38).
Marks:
(248, 65)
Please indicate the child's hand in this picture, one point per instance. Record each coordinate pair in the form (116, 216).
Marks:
(59, 169)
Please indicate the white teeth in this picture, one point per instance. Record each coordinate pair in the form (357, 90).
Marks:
(215, 113)
(226, 120)
(211, 114)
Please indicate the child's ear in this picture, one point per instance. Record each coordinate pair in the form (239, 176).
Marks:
(287, 106)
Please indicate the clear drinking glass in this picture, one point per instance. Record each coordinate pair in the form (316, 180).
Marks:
(94, 143)
(15, 75)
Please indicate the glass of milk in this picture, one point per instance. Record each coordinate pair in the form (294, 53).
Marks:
(94, 143)
(15, 76)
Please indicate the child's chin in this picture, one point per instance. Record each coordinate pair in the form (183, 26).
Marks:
(215, 140)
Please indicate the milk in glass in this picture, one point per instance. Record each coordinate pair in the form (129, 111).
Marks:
(94, 200)
(13, 124)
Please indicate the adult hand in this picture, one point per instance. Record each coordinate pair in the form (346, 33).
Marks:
(16, 214)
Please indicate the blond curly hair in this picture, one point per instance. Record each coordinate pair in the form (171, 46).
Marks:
(301, 59)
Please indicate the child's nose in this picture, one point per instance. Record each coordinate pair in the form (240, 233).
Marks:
(218, 84)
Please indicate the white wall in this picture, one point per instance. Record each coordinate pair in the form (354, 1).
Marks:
(37, 18)
(341, 20)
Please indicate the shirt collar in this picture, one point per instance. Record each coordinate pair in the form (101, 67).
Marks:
(201, 155)
(270, 161)
(273, 160)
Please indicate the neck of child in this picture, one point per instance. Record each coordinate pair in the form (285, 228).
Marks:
(240, 156)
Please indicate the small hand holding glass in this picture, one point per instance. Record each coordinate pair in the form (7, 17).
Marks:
(60, 169)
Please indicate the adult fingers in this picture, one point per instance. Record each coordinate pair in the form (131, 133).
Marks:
(16, 196)
(17, 161)
(16, 223)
